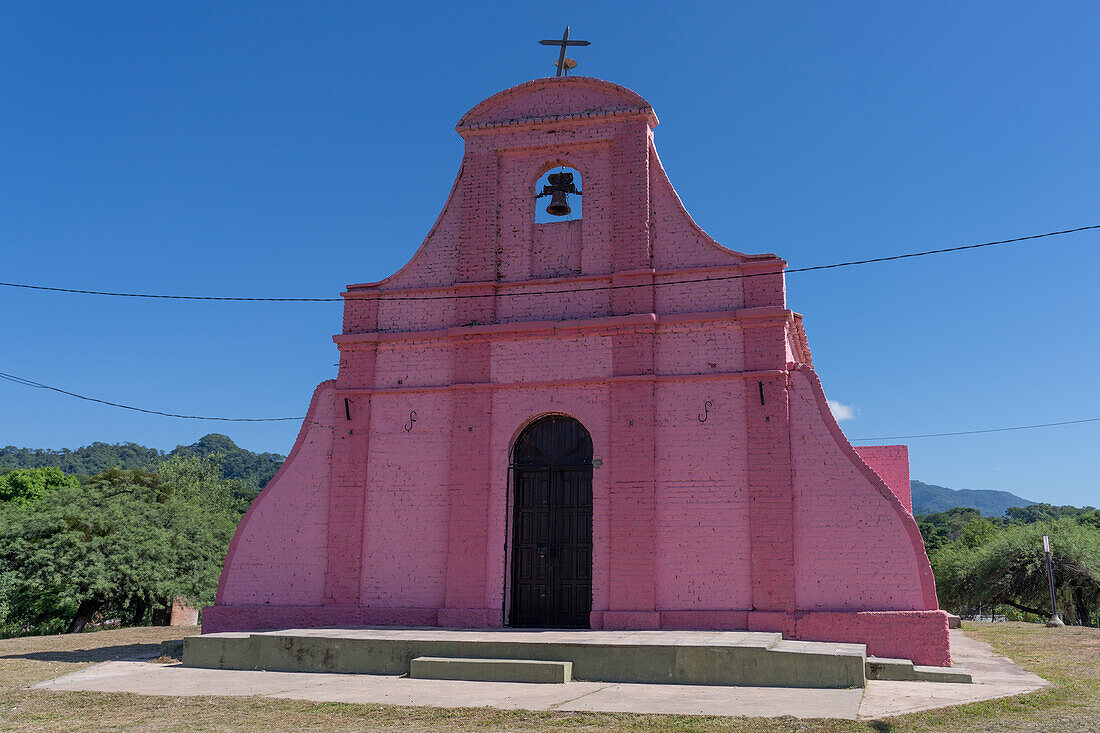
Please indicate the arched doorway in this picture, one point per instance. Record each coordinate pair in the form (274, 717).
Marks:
(552, 525)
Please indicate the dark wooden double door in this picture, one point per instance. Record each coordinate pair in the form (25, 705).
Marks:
(552, 525)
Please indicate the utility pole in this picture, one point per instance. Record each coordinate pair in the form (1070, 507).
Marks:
(1055, 619)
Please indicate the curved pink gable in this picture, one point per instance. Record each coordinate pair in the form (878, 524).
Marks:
(278, 552)
(553, 97)
(858, 545)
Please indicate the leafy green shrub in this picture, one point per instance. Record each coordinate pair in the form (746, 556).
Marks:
(118, 547)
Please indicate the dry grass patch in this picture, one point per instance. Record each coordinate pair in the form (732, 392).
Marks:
(1072, 653)
(28, 660)
(1069, 657)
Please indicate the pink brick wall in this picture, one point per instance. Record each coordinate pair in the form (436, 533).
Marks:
(920, 636)
(550, 358)
(703, 542)
(699, 348)
(852, 538)
(724, 494)
(891, 463)
(404, 549)
(277, 555)
(556, 248)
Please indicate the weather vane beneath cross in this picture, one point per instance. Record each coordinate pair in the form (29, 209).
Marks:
(564, 65)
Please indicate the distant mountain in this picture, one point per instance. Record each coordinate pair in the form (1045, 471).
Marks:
(87, 460)
(254, 469)
(929, 499)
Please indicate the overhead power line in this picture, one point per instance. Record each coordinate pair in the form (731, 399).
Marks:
(39, 385)
(988, 430)
(167, 297)
(522, 293)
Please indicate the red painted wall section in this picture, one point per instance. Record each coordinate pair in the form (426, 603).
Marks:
(891, 463)
(346, 500)
(278, 552)
(468, 490)
(557, 248)
(631, 497)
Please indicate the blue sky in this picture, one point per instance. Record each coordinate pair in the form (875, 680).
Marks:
(287, 149)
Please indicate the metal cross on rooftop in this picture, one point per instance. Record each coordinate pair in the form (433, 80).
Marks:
(564, 65)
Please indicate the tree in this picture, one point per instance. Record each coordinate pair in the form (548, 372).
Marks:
(1042, 513)
(942, 528)
(252, 469)
(202, 513)
(1091, 519)
(27, 485)
(953, 564)
(90, 459)
(1009, 568)
(119, 546)
(977, 532)
(1015, 569)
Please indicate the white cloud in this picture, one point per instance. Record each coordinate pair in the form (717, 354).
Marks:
(842, 411)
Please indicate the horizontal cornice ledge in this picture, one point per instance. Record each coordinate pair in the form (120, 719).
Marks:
(764, 315)
(756, 374)
(590, 114)
(755, 263)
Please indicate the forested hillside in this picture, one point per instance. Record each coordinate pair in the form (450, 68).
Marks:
(929, 499)
(238, 464)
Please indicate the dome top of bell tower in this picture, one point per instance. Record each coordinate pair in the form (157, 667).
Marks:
(555, 99)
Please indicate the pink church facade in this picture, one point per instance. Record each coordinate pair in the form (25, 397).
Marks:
(697, 479)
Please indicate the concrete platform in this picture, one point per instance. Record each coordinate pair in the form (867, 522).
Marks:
(994, 676)
(725, 658)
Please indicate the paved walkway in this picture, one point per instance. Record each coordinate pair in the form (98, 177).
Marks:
(994, 676)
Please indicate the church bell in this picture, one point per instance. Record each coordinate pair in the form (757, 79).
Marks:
(559, 186)
(559, 204)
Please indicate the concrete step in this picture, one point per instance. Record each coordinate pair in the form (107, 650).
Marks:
(490, 670)
(172, 648)
(902, 670)
(942, 674)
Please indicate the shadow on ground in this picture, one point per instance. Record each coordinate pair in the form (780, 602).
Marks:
(100, 654)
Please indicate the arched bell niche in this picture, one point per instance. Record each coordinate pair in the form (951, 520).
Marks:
(559, 178)
(557, 238)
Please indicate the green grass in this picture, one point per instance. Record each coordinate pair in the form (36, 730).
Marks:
(1069, 657)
